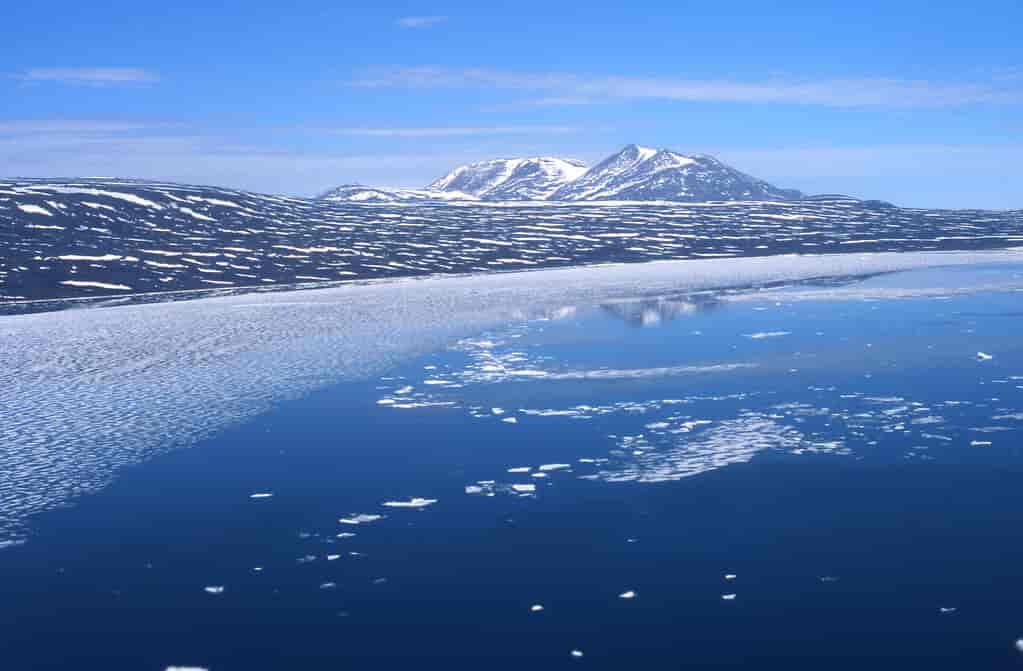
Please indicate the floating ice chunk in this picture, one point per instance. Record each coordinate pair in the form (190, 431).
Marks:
(576, 653)
(538, 475)
(473, 489)
(535, 608)
(524, 488)
(362, 518)
(404, 390)
(730, 576)
(416, 502)
(186, 668)
(979, 443)
(497, 411)
(345, 534)
(510, 420)
(947, 609)
(214, 589)
(520, 469)
(767, 334)
(553, 467)
(984, 356)
(261, 495)
(328, 585)
(728, 597)
(630, 594)
(333, 557)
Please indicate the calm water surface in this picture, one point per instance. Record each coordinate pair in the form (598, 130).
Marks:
(807, 478)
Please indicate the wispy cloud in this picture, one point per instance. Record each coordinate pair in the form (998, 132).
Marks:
(420, 21)
(552, 88)
(76, 126)
(456, 131)
(89, 76)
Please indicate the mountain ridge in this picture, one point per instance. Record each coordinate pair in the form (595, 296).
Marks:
(634, 173)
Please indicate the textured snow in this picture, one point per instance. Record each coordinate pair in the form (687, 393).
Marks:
(95, 285)
(84, 393)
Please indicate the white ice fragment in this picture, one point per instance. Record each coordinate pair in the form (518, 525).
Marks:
(767, 334)
(362, 518)
(947, 609)
(416, 502)
(520, 469)
(576, 654)
(524, 488)
(984, 356)
(730, 576)
(261, 495)
(510, 420)
(214, 589)
(186, 668)
(728, 597)
(630, 594)
(535, 608)
(333, 557)
(553, 467)
(979, 443)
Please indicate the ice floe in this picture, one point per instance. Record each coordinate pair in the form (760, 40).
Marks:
(361, 518)
(415, 502)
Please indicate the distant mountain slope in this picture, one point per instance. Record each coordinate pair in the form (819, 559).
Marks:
(511, 179)
(91, 237)
(641, 173)
(635, 173)
(358, 193)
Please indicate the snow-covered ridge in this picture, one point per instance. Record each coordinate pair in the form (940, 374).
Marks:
(511, 179)
(634, 173)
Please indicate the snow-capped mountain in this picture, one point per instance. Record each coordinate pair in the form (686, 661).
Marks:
(634, 173)
(359, 193)
(511, 178)
(641, 173)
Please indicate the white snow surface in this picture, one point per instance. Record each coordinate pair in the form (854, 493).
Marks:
(86, 392)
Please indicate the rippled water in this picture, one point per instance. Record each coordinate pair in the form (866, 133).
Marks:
(803, 477)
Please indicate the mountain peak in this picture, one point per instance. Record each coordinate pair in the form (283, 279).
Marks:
(634, 172)
(533, 178)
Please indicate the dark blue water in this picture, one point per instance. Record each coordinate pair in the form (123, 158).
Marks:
(847, 456)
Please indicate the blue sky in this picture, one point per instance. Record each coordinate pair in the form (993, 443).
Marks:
(920, 103)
